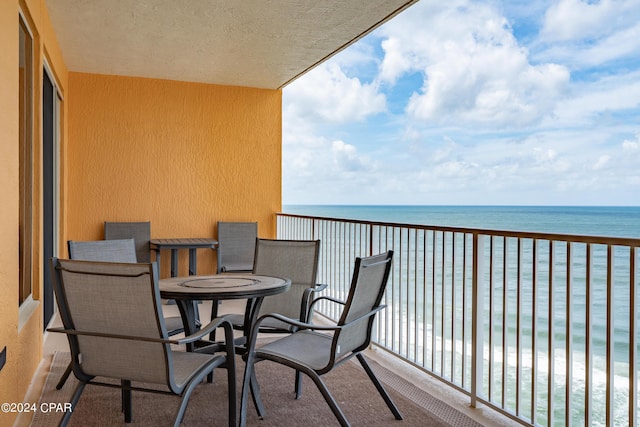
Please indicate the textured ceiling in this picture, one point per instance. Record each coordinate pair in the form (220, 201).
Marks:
(254, 43)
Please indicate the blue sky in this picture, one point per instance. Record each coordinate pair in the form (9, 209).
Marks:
(473, 103)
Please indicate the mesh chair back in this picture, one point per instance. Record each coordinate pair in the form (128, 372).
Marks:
(140, 232)
(368, 284)
(122, 250)
(236, 245)
(120, 299)
(296, 260)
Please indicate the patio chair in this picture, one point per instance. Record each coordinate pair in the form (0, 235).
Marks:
(235, 251)
(121, 250)
(236, 246)
(296, 260)
(113, 320)
(315, 352)
(140, 232)
(118, 250)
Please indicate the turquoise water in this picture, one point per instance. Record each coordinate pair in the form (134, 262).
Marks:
(591, 221)
(583, 220)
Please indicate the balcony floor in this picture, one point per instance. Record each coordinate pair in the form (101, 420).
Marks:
(54, 342)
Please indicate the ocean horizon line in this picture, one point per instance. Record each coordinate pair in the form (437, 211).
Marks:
(457, 205)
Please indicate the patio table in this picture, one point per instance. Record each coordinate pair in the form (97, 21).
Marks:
(226, 286)
(192, 244)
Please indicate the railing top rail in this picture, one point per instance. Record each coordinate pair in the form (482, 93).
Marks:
(575, 238)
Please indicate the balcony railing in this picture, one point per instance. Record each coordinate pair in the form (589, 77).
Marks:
(540, 327)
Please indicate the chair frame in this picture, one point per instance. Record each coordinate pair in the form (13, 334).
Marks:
(228, 360)
(256, 355)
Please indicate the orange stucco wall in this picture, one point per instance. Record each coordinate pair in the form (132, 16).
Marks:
(181, 155)
(21, 327)
(9, 207)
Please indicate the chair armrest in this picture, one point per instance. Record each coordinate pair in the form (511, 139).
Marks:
(305, 307)
(327, 298)
(363, 317)
(319, 287)
(216, 323)
(293, 322)
(210, 327)
(103, 335)
(311, 326)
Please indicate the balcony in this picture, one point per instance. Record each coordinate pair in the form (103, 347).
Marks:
(540, 328)
(468, 315)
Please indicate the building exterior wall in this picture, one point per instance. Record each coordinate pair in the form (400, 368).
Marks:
(181, 155)
(21, 328)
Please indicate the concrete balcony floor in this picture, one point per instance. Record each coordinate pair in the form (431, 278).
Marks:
(54, 342)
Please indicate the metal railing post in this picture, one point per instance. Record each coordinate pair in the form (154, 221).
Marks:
(477, 315)
(633, 375)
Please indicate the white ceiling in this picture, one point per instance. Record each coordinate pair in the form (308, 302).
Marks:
(254, 43)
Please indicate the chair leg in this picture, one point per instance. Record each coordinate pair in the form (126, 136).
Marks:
(231, 374)
(65, 376)
(231, 387)
(182, 408)
(244, 396)
(214, 314)
(342, 419)
(184, 399)
(298, 384)
(74, 402)
(195, 381)
(127, 401)
(255, 395)
(387, 399)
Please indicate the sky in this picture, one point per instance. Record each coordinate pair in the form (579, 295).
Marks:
(471, 102)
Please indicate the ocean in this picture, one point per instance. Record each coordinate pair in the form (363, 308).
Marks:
(572, 220)
(619, 221)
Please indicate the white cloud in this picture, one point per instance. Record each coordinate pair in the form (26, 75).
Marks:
(323, 171)
(327, 94)
(346, 158)
(304, 155)
(396, 60)
(588, 100)
(619, 44)
(631, 145)
(583, 168)
(602, 162)
(579, 20)
(585, 34)
(474, 69)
